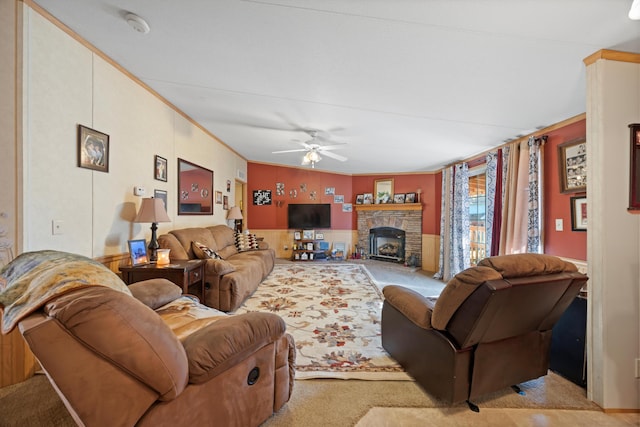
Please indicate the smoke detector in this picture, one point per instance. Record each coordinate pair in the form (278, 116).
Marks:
(137, 23)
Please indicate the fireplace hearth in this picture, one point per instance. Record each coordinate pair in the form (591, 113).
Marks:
(387, 244)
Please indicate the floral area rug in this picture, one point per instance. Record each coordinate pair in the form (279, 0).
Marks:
(333, 312)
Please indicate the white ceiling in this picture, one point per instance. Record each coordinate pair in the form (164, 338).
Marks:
(407, 85)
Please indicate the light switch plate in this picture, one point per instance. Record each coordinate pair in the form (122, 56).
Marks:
(559, 224)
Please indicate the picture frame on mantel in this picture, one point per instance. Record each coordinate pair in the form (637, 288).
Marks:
(383, 190)
(634, 169)
(572, 166)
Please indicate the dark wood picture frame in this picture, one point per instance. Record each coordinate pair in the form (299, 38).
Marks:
(634, 169)
(160, 168)
(93, 149)
(572, 166)
(579, 213)
(195, 189)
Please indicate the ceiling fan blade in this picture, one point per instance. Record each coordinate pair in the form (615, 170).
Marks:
(289, 151)
(334, 156)
(332, 147)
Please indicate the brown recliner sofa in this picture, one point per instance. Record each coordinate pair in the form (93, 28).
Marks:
(489, 329)
(144, 355)
(235, 275)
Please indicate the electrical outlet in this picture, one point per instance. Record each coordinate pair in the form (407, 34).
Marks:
(637, 368)
(286, 248)
(57, 226)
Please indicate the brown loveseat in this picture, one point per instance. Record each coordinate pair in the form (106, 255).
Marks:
(489, 329)
(144, 355)
(234, 276)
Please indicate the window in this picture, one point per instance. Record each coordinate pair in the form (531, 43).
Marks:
(477, 214)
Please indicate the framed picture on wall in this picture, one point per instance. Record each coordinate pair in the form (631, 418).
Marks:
(161, 194)
(160, 169)
(634, 169)
(579, 213)
(572, 164)
(93, 149)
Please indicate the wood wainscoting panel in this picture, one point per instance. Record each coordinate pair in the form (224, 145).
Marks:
(430, 252)
(18, 363)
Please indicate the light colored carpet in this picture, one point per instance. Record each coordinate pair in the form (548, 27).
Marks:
(333, 312)
(446, 417)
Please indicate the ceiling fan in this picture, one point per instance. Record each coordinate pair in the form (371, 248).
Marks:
(313, 149)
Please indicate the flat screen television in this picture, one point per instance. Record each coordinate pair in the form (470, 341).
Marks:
(309, 215)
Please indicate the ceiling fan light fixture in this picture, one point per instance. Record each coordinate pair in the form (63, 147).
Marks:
(311, 158)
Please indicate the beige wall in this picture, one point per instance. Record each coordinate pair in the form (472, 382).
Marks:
(613, 240)
(68, 84)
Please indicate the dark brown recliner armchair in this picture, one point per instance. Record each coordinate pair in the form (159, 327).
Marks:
(489, 329)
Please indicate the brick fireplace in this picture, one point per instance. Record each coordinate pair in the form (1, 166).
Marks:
(405, 217)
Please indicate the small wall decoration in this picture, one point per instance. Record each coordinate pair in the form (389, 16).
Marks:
(303, 187)
(293, 193)
(319, 236)
(572, 163)
(398, 198)
(160, 168)
(634, 169)
(328, 191)
(296, 235)
(218, 197)
(347, 207)
(225, 203)
(279, 188)
(359, 199)
(338, 199)
(410, 198)
(261, 197)
(161, 194)
(228, 186)
(313, 195)
(93, 149)
(308, 234)
(579, 213)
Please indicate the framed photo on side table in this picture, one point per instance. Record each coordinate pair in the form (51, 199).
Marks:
(579, 213)
(138, 252)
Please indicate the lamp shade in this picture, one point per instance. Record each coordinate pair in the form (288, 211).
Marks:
(234, 213)
(152, 210)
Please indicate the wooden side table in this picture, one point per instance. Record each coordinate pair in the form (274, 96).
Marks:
(182, 273)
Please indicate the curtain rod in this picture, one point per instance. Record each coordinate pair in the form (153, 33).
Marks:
(537, 133)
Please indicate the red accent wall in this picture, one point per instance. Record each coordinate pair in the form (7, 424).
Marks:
(274, 216)
(567, 243)
(304, 182)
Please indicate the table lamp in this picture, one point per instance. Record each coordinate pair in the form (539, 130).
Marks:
(152, 210)
(236, 214)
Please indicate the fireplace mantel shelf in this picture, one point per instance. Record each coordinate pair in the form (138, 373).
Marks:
(390, 207)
